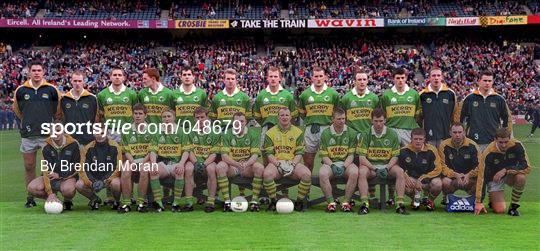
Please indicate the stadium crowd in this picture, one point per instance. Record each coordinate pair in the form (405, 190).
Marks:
(459, 59)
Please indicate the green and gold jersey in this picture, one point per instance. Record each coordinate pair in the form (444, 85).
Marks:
(401, 109)
(317, 107)
(359, 109)
(117, 105)
(284, 144)
(379, 149)
(240, 148)
(202, 145)
(138, 145)
(186, 102)
(267, 105)
(156, 103)
(170, 146)
(225, 106)
(336, 146)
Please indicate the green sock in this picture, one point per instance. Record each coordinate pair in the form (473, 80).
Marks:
(178, 186)
(364, 200)
(399, 200)
(211, 200)
(242, 191)
(270, 187)
(109, 194)
(189, 200)
(257, 184)
(330, 199)
(303, 189)
(126, 200)
(157, 191)
(371, 191)
(223, 184)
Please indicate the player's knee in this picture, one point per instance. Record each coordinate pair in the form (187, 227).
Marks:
(520, 180)
(115, 184)
(68, 191)
(363, 173)
(269, 174)
(436, 183)
(498, 207)
(353, 173)
(258, 169)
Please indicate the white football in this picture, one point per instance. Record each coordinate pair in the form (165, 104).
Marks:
(239, 204)
(53, 207)
(284, 206)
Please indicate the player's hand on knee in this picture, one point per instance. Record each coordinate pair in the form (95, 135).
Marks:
(499, 175)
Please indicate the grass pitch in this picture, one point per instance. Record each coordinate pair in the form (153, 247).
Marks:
(26, 229)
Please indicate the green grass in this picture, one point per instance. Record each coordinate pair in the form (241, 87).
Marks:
(83, 229)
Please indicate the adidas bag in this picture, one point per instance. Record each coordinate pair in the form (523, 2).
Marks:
(460, 203)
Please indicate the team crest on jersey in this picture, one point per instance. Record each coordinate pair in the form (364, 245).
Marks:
(450, 156)
(68, 105)
(146, 138)
(196, 98)
(511, 155)
(409, 99)
(310, 99)
(266, 101)
(233, 142)
(247, 142)
(45, 95)
(445, 101)
(368, 102)
(428, 100)
(146, 99)
(493, 105)
(109, 101)
(466, 156)
(353, 103)
(393, 100)
(345, 140)
(125, 99)
(238, 102)
(176, 140)
(424, 161)
(281, 100)
(179, 100)
(475, 103)
(408, 159)
(496, 161)
(386, 142)
(26, 96)
(162, 139)
(68, 152)
(222, 102)
(195, 140)
(332, 141)
(209, 141)
(85, 106)
(133, 139)
(161, 98)
(326, 98)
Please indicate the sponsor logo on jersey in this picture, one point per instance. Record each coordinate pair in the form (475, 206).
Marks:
(493, 105)
(45, 95)
(85, 106)
(445, 101)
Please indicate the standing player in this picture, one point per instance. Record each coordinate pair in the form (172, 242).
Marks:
(379, 150)
(230, 100)
(35, 102)
(316, 106)
(503, 162)
(188, 97)
(79, 106)
(422, 166)
(484, 111)
(439, 108)
(155, 97)
(401, 104)
(359, 102)
(239, 153)
(138, 145)
(459, 156)
(106, 155)
(284, 147)
(338, 144)
(171, 159)
(61, 148)
(204, 148)
(115, 102)
(533, 115)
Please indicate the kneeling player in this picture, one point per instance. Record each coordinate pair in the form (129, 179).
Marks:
(338, 144)
(284, 145)
(136, 145)
(422, 166)
(171, 160)
(378, 151)
(58, 149)
(100, 168)
(459, 156)
(503, 162)
(204, 147)
(240, 150)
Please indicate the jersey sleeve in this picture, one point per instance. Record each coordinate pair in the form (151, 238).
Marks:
(302, 105)
(324, 144)
(523, 165)
(225, 144)
(395, 145)
(363, 144)
(352, 141)
(257, 109)
(464, 111)
(247, 106)
(216, 143)
(268, 145)
(437, 162)
(299, 144)
(255, 144)
(153, 147)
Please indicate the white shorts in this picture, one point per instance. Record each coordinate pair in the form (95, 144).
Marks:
(169, 168)
(404, 136)
(264, 129)
(379, 166)
(31, 145)
(312, 141)
(493, 186)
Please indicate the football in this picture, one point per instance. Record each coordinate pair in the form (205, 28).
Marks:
(284, 206)
(239, 204)
(53, 207)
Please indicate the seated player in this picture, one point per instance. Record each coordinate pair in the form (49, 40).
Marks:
(136, 147)
(284, 145)
(422, 166)
(459, 157)
(100, 168)
(338, 144)
(378, 151)
(204, 147)
(503, 162)
(171, 161)
(59, 148)
(239, 153)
